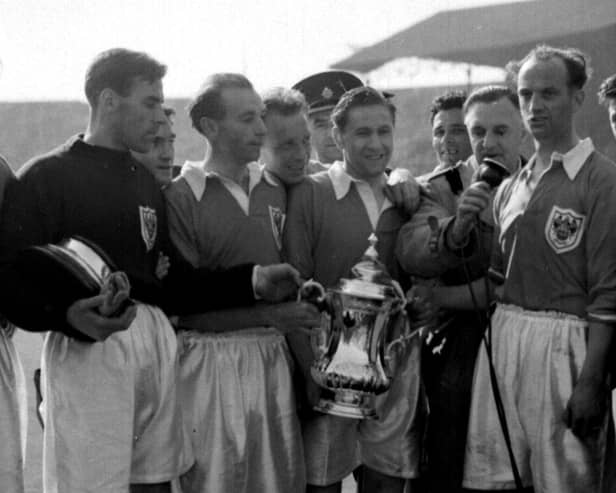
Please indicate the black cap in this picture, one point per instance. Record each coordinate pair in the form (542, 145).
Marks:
(71, 270)
(323, 90)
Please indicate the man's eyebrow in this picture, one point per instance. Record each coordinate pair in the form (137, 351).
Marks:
(155, 99)
(248, 113)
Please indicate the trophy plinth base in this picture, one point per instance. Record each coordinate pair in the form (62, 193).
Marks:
(348, 403)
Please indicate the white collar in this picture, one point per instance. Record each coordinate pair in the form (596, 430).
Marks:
(341, 180)
(572, 161)
(575, 158)
(196, 175)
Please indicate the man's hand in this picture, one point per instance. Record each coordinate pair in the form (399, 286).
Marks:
(473, 200)
(586, 409)
(162, 266)
(403, 191)
(7, 326)
(116, 289)
(422, 307)
(277, 282)
(84, 316)
(294, 316)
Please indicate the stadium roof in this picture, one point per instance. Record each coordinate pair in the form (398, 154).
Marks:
(492, 35)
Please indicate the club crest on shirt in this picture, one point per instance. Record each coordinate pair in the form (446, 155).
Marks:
(564, 229)
(149, 226)
(277, 218)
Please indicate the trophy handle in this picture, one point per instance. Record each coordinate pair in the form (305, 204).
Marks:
(314, 292)
(400, 292)
(396, 347)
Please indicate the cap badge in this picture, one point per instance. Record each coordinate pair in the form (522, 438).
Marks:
(327, 93)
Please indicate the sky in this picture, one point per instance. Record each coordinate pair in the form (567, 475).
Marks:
(46, 45)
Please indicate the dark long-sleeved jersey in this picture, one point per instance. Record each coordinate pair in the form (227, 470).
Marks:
(107, 197)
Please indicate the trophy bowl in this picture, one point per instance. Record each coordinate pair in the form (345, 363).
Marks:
(363, 322)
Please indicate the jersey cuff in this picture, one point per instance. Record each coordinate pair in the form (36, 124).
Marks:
(602, 317)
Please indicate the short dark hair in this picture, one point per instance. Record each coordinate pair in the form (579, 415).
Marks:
(117, 69)
(607, 90)
(283, 101)
(491, 94)
(576, 62)
(451, 100)
(360, 96)
(208, 101)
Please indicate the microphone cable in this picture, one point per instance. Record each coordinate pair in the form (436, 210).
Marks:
(487, 340)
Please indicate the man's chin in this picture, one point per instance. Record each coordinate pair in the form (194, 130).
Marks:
(330, 157)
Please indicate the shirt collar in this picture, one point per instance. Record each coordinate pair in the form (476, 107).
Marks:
(575, 158)
(196, 176)
(572, 161)
(79, 145)
(341, 180)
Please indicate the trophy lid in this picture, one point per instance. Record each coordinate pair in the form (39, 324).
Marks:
(371, 279)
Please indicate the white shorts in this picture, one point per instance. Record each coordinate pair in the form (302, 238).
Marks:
(239, 402)
(111, 413)
(13, 418)
(391, 444)
(538, 357)
(330, 447)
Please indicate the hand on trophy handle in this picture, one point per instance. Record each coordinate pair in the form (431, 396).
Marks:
(276, 282)
(294, 316)
(314, 293)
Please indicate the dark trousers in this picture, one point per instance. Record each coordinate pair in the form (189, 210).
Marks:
(448, 376)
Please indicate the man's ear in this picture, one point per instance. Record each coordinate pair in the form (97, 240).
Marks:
(337, 134)
(578, 97)
(208, 127)
(108, 100)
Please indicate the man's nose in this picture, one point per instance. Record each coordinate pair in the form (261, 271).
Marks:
(535, 103)
(260, 128)
(489, 140)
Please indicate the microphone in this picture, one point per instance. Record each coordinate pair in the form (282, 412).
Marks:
(492, 172)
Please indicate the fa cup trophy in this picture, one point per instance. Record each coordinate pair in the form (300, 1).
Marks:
(364, 327)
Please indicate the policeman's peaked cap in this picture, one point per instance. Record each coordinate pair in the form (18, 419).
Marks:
(323, 90)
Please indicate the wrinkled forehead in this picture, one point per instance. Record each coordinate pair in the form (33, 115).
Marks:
(144, 88)
(539, 73)
(238, 101)
(500, 112)
(282, 126)
(321, 117)
(452, 116)
(373, 115)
